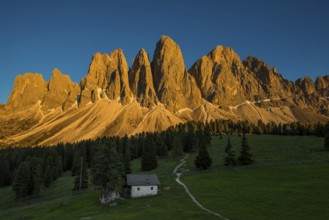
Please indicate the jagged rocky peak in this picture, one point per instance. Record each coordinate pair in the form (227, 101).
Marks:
(262, 70)
(274, 85)
(61, 91)
(322, 85)
(224, 55)
(167, 52)
(28, 90)
(223, 79)
(107, 78)
(141, 80)
(306, 84)
(175, 87)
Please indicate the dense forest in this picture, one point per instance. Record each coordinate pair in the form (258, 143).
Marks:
(26, 169)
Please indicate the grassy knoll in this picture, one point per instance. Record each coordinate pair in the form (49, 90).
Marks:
(288, 181)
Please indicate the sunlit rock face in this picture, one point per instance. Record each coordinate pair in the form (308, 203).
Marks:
(141, 80)
(175, 87)
(107, 77)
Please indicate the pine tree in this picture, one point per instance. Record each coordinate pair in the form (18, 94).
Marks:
(127, 159)
(37, 180)
(107, 171)
(245, 157)
(59, 168)
(149, 160)
(81, 178)
(35, 175)
(6, 176)
(203, 160)
(190, 140)
(203, 138)
(177, 149)
(47, 177)
(230, 157)
(162, 149)
(76, 161)
(22, 183)
(326, 137)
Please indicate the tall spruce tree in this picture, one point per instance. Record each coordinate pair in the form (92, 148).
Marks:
(35, 175)
(245, 157)
(203, 160)
(107, 172)
(149, 160)
(81, 178)
(48, 176)
(37, 180)
(229, 159)
(162, 148)
(6, 175)
(326, 137)
(22, 183)
(190, 140)
(127, 158)
(177, 149)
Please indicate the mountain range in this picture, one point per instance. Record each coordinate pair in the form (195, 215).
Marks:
(113, 99)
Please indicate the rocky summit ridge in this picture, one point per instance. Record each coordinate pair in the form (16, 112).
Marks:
(113, 99)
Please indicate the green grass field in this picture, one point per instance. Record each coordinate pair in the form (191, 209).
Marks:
(288, 181)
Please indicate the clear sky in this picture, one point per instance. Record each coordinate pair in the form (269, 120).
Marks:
(38, 36)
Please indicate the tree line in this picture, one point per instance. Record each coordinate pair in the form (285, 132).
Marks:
(27, 169)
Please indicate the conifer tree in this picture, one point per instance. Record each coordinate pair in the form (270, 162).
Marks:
(6, 174)
(326, 137)
(81, 178)
(107, 172)
(37, 180)
(59, 168)
(22, 183)
(162, 149)
(127, 159)
(35, 175)
(149, 160)
(190, 140)
(203, 160)
(177, 149)
(47, 177)
(230, 157)
(245, 157)
(78, 153)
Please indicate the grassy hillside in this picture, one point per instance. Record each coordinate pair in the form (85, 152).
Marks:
(288, 181)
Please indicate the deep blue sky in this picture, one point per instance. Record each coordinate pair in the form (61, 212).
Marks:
(38, 36)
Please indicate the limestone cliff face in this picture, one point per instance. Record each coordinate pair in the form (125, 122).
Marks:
(273, 84)
(307, 85)
(61, 91)
(322, 85)
(223, 79)
(107, 77)
(29, 89)
(141, 80)
(175, 87)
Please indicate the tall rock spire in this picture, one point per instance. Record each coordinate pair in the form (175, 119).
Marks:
(29, 89)
(61, 91)
(141, 80)
(175, 87)
(107, 76)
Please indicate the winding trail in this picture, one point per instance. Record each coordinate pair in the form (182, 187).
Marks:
(178, 172)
